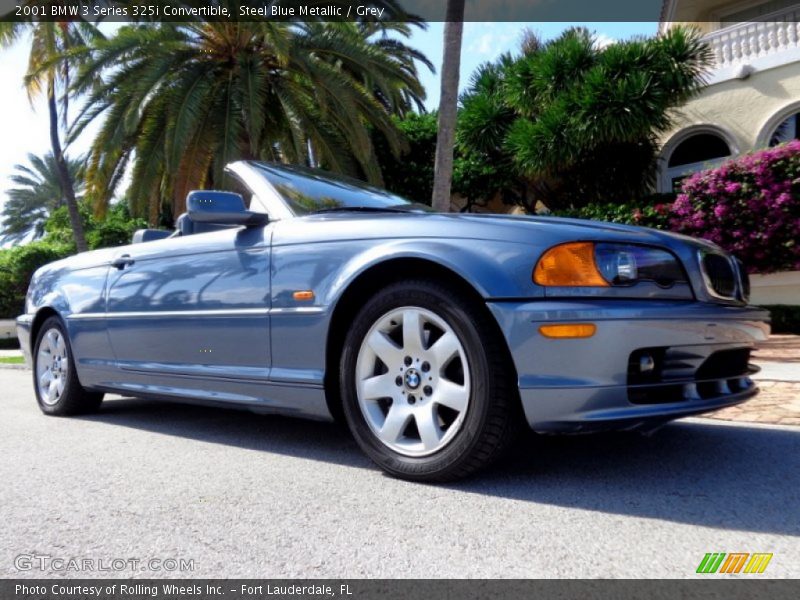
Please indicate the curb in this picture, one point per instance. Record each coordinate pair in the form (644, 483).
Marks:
(11, 367)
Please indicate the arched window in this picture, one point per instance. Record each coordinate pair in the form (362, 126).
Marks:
(788, 130)
(696, 152)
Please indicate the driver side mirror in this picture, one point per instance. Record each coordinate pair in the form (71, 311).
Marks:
(221, 208)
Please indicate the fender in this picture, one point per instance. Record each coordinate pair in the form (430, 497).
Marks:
(484, 266)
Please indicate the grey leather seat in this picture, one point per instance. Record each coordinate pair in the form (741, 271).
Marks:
(185, 226)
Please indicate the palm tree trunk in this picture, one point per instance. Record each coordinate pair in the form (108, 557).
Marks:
(448, 106)
(63, 172)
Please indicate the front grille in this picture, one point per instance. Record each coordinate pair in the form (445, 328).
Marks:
(676, 374)
(744, 279)
(720, 275)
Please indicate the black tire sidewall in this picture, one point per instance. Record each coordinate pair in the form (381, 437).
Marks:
(459, 316)
(67, 404)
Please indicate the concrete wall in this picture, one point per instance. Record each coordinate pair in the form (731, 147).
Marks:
(776, 288)
(8, 329)
(746, 111)
(703, 14)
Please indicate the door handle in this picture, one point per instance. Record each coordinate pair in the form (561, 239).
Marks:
(122, 261)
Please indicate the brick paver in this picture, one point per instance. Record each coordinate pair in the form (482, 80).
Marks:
(779, 348)
(779, 401)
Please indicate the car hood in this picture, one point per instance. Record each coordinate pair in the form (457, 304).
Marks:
(505, 228)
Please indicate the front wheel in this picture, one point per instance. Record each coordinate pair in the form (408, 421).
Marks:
(55, 380)
(425, 384)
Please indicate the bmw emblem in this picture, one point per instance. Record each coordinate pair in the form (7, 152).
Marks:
(412, 379)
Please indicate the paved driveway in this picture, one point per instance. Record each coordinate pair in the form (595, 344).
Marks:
(252, 496)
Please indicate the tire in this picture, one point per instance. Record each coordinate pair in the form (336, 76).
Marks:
(437, 406)
(55, 380)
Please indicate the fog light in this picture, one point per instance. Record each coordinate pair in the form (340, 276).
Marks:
(646, 363)
(568, 330)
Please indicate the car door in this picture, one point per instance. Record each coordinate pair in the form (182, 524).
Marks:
(189, 316)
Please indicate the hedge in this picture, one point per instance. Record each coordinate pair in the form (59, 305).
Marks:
(18, 263)
(785, 319)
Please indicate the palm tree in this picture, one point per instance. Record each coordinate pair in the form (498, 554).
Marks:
(182, 100)
(46, 75)
(37, 193)
(448, 105)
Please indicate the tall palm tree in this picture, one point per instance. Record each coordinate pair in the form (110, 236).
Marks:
(448, 105)
(37, 193)
(182, 99)
(48, 76)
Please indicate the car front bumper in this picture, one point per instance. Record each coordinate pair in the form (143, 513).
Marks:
(24, 323)
(590, 384)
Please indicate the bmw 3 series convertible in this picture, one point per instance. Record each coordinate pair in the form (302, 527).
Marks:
(435, 337)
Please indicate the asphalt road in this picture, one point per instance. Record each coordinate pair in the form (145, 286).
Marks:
(253, 496)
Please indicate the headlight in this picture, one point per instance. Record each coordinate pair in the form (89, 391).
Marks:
(589, 264)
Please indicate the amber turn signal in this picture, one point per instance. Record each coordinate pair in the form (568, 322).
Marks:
(568, 330)
(569, 265)
(303, 295)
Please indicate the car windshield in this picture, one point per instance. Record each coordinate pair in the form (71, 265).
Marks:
(311, 190)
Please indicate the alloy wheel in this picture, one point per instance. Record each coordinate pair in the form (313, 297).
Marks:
(413, 381)
(52, 367)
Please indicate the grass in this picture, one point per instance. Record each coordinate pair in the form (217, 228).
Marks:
(12, 360)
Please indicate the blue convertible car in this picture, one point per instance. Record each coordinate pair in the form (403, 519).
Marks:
(435, 336)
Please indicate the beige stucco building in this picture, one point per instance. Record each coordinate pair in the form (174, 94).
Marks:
(753, 95)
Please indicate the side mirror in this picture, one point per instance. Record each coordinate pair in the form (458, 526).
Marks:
(221, 208)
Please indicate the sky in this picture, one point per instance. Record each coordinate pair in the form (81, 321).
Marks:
(24, 127)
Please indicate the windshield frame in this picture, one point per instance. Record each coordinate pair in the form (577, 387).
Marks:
(263, 179)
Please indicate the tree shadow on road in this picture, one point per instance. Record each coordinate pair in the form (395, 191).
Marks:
(701, 472)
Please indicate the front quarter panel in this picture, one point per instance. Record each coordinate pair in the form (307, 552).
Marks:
(494, 269)
(71, 287)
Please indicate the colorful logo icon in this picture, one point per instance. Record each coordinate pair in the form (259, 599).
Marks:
(734, 562)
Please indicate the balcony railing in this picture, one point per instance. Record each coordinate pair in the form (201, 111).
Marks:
(746, 42)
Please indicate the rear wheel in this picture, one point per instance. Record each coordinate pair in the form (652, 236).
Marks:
(426, 388)
(55, 380)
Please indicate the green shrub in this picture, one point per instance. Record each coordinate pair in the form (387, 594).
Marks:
(116, 229)
(785, 318)
(652, 212)
(17, 265)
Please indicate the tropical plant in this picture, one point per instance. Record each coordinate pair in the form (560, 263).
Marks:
(182, 99)
(448, 105)
(37, 193)
(48, 74)
(18, 263)
(411, 174)
(750, 206)
(653, 211)
(475, 179)
(576, 123)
